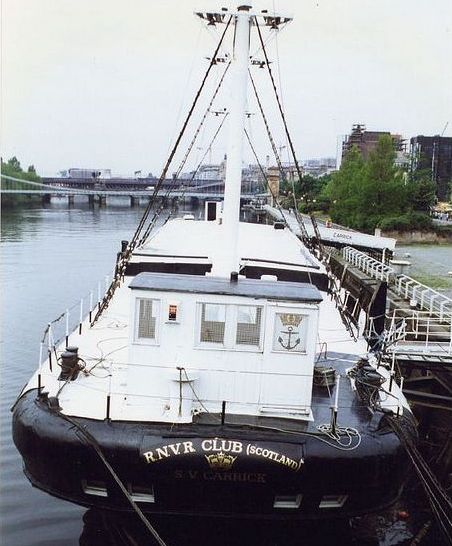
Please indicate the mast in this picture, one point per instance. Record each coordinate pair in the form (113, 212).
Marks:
(233, 179)
(226, 258)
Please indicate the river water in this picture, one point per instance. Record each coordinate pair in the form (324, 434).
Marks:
(50, 258)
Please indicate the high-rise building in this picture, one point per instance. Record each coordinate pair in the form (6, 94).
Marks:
(434, 153)
(366, 141)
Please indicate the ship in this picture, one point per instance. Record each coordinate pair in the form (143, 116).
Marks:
(225, 372)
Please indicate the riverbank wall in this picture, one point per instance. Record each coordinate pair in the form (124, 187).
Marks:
(420, 237)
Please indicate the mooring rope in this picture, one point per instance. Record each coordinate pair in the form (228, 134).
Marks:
(95, 445)
(439, 500)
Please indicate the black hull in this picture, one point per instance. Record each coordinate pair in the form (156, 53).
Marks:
(59, 460)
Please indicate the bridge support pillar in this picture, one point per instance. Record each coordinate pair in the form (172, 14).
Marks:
(46, 199)
(70, 200)
(91, 200)
(102, 200)
(134, 201)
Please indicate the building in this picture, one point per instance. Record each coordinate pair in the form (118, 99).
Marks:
(434, 153)
(86, 173)
(366, 141)
(319, 167)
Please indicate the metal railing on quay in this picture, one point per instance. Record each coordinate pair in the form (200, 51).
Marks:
(419, 331)
(419, 295)
(368, 265)
(424, 296)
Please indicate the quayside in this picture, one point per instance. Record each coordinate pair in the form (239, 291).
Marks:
(226, 371)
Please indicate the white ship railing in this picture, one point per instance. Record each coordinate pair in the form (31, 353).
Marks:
(72, 319)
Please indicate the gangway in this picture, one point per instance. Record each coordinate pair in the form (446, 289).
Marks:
(332, 236)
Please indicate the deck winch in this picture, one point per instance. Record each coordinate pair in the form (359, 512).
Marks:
(69, 362)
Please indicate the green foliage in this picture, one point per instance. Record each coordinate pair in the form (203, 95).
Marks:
(367, 194)
(13, 168)
(345, 191)
(406, 222)
(422, 190)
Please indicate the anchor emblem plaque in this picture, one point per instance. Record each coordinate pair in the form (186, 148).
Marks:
(287, 332)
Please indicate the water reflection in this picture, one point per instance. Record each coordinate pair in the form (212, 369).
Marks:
(111, 529)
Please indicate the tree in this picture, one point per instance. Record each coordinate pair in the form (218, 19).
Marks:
(344, 189)
(13, 169)
(386, 191)
(422, 190)
(363, 193)
(14, 164)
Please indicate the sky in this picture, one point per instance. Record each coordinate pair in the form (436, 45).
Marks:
(106, 83)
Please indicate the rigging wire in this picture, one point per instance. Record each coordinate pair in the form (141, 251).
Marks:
(281, 111)
(195, 172)
(267, 186)
(184, 160)
(289, 139)
(176, 144)
(304, 233)
(126, 255)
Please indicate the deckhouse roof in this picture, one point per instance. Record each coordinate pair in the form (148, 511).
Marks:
(250, 288)
(200, 241)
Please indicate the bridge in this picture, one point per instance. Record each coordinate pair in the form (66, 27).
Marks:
(98, 190)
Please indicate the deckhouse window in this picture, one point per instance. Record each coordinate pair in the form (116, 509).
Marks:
(230, 326)
(148, 310)
(248, 325)
(213, 322)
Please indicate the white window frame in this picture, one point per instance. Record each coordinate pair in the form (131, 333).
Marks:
(147, 340)
(230, 329)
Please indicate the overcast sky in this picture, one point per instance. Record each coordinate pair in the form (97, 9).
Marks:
(105, 83)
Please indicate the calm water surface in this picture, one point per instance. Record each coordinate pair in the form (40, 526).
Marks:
(50, 258)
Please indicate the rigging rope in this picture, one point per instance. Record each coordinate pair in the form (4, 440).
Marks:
(176, 145)
(195, 172)
(266, 186)
(304, 233)
(189, 149)
(289, 139)
(126, 255)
